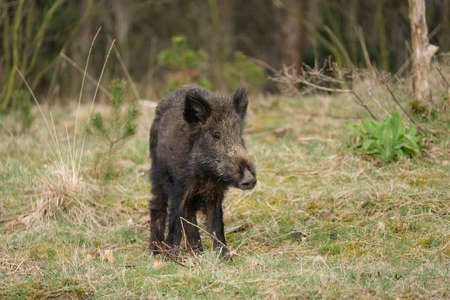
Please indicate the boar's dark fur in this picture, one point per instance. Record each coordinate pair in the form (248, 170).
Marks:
(197, 152)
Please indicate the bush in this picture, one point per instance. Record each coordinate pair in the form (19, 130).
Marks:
(193, 66)
(243, 72)
(22, 116)
(22, 109)
(187, 65)
(387, 140)
(115, 128)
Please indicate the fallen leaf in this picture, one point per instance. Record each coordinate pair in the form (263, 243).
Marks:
(157, 265)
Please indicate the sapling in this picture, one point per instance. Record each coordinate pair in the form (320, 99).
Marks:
(115, 127)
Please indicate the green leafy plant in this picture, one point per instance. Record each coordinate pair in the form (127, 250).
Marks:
(193, 66)
(187, 65)
(180, 56)
(388, 140)
(22, 109)
(115, 128)
(21, 113)
(242, 71)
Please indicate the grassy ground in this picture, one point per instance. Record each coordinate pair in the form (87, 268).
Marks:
(322, 222)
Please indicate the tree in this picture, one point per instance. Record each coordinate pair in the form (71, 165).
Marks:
(422, 50)
(290, 32)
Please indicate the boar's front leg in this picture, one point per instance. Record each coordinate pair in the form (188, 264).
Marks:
(193, 239)
(214, 214)
(176, 212)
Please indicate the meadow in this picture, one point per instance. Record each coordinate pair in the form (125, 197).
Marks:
(323, 221)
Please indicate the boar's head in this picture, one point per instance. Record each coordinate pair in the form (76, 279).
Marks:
(217, 148)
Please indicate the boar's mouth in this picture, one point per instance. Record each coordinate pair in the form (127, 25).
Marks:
(247, 179)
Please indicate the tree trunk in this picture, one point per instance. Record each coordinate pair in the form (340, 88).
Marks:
(422, 51)
(444, 39)
(290, 33)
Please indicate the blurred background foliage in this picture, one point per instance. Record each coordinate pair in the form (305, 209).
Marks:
(219, 44)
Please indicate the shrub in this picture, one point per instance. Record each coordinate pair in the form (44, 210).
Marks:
(192, 66)
(243, 72)
(188, 65)
(387, 140)
(22, 109)
(114, 128)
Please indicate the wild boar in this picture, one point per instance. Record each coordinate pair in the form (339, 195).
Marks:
(197, 153)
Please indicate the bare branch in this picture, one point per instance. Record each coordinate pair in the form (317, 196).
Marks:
(404, 110)
(442, 75)
(316, 79)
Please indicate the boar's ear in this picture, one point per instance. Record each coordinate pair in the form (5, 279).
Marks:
(196, 109)
(240, 101)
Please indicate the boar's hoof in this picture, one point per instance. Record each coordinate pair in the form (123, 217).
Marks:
(225, 253)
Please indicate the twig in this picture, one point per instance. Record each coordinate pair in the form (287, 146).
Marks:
(363, 105)
(127, 74)
(290, 77)
(442, 75)
(6, 220)
(404, 110)
(95, 82)
(211, 235)
(279, 237)
(322, 88)
(263, 64)
(169, 255)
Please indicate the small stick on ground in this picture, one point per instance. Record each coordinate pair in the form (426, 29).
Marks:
(294, 232)
(163, 250)
(209, 234)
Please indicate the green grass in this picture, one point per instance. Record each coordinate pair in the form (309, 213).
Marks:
(322, 222)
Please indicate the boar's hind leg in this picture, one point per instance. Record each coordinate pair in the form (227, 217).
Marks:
(158, 213)
(214, 215)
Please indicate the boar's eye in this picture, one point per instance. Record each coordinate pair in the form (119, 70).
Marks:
(216, 135)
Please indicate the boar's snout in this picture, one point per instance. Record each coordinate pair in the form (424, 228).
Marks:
(248, 179)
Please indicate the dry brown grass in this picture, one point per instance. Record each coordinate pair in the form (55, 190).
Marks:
(323, 222)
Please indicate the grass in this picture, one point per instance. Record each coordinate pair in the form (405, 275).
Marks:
(322, 222)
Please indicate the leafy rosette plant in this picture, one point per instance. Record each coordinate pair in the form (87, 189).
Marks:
(387, 140)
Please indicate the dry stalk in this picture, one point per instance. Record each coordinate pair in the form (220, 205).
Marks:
(291, 233)
(127, 73)
(88, 76)
(62, 191)
(203, 230)
(290, 78)
(402, 109)
(164, 250)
